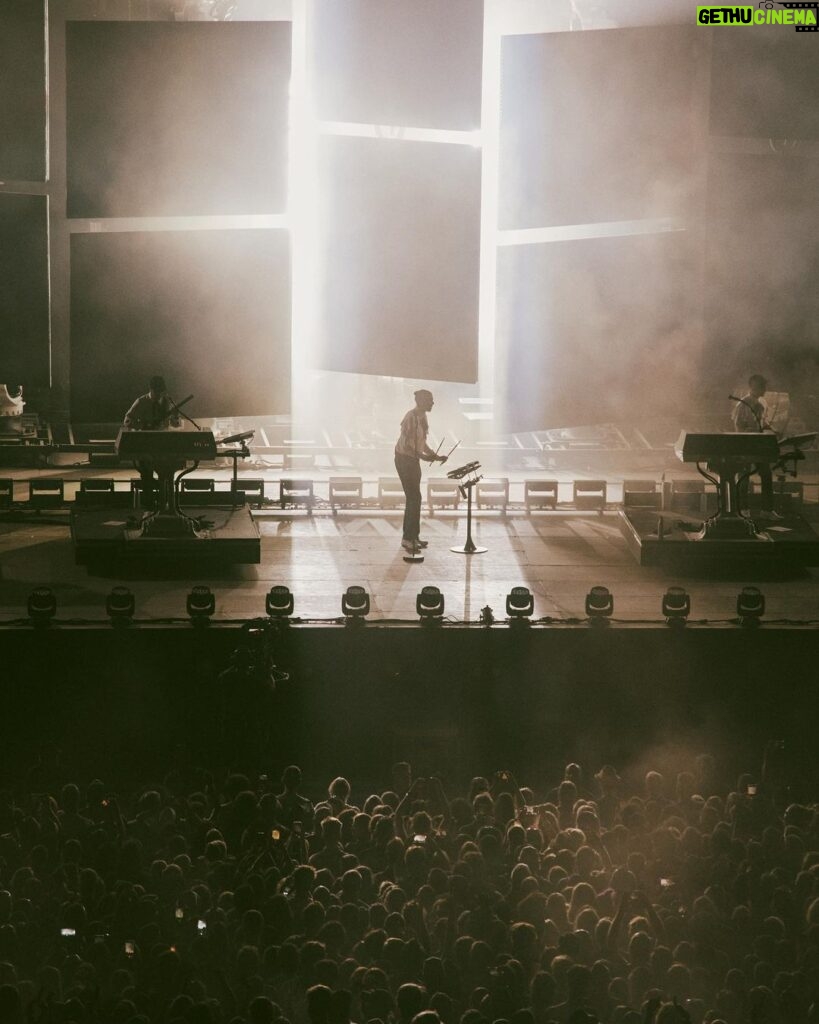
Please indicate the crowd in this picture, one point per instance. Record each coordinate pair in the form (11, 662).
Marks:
(219, 900)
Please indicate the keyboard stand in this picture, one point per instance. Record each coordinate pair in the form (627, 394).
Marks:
(167, 520)
(728, 523)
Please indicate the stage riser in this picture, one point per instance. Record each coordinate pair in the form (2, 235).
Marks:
(788, 544)
(106, 538)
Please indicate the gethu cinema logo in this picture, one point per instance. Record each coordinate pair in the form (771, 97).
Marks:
(802, 16)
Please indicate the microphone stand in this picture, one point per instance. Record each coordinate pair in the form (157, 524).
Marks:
(243, 452)
(179, 412)
(741, 401)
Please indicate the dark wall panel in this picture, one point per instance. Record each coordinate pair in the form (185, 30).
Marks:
(24, 328)
(400, 258)
(415, 63)
(22, 90)
(458, 700)
(597, 330)
(599, 126)
(765, 84)
(172, 119)
(208, 309)
(763, 267)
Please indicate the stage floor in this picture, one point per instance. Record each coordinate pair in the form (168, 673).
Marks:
(559, 556)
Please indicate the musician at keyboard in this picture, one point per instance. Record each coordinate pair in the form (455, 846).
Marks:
(751, 415)
(151, 411)
(751, 411)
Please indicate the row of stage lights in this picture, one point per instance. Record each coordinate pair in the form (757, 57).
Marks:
(120, 606)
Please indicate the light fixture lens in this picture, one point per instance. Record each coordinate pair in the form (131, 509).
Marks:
(520, 603)
(676, 604)
(355, 602)
(750, 605)
(42, 605)
(429, 604)
(279, 602)
(599, 603)
(201, 603)
(120, 604)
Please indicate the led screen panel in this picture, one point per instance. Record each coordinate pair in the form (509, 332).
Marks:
(22, 90)
(173, 119)
(598, 330)
(24, 320)
(416, 63)
(600, 126)
(762, 268)
(209, 310)
(399, 258)
(765, 84)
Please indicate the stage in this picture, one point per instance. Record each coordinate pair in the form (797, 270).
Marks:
(557, 555)
(453, 696)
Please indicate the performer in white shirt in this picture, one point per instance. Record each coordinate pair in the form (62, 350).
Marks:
(410, 450)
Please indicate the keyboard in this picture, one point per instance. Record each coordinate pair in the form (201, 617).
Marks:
(179, 445)
(734, 447)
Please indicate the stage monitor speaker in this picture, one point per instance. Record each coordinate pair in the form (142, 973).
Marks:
(209, 310)
(414, 63)
(598, 331)
(176, 119)
(765, 84)
(400, 258)
(22, 90)
(24, 319)
(600, 126)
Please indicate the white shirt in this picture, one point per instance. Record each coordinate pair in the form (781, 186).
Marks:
(413, 438)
